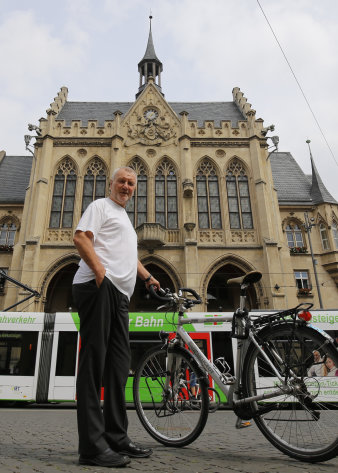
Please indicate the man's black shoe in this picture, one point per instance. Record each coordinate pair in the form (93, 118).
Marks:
(107, 458)
(135, 450)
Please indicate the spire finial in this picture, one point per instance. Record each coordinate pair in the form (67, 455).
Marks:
(150, 18)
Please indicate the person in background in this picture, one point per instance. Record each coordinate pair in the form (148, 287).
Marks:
(317, 369)
(102, 288)
(330, 369)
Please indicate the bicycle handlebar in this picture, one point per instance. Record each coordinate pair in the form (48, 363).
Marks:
(167, 295)
(193, 293)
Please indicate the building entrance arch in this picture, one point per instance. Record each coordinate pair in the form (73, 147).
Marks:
(59, 290)
(224, 298)
(141, 300)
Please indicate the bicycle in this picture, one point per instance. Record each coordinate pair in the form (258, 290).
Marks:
(270, 383)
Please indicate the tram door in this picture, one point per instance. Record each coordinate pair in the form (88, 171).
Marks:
(63, 359)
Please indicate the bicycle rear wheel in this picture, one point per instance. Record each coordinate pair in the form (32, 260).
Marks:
(162, 398)
(303, 421)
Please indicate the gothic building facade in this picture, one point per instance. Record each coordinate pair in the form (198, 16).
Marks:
(212, 201)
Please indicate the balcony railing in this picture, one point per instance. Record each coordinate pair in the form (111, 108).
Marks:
(151, 235)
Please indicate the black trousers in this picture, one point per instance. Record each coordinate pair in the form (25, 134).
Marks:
(104, 356)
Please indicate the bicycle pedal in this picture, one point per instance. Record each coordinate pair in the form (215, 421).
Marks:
(242, 424)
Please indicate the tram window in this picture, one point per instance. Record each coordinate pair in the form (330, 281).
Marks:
(18, 353)
(222, 347)
(66, 355)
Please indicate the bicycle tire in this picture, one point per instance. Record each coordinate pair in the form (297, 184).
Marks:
(214, 400)
(168, 415)
(304, 422)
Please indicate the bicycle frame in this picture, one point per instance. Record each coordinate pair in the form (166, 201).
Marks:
(231, 391)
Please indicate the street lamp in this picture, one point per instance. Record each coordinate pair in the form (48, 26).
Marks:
(27, 139)
(307, 226)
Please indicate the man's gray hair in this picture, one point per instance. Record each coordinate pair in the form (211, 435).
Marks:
(124, 168)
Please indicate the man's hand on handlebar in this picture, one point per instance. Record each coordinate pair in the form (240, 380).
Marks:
(153, 282)
(167, 295)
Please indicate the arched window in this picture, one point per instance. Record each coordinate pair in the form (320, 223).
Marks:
(137, 206)
(7, 233)
(61, 215)
(166, 195)
(335, 233)
(238, 196)
(208, 202)
(294, 235)
(94, 185)
(324, 236)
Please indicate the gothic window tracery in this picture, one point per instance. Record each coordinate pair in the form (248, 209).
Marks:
(324, 236)
(335, 233)
(238, 196)
(166, 195)
(7, 233)
(62, 210)
(208, 201)
(137, 206)
(94, 185)
(294, 235)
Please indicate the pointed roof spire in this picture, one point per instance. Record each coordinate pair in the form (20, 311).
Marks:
(318, 192)
(150, 51)
(150, 65)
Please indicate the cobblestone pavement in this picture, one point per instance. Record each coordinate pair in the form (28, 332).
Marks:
(34, 440)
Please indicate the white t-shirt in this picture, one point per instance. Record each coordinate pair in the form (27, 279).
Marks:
(115, 243)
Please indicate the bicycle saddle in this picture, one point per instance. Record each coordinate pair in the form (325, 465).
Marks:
(248, 278)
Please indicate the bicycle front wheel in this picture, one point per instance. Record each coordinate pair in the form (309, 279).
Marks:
(162, 397)
(214, 400)
(302, 421)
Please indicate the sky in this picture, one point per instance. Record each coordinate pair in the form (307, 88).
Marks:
(207, 48)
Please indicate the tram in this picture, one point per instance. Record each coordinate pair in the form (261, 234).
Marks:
(39, 351)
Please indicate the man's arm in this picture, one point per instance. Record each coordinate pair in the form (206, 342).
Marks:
(144, 274)
(84, 244)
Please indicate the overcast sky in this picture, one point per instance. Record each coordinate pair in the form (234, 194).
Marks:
(207, 48)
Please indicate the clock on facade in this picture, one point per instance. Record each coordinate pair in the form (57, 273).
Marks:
(150, 114)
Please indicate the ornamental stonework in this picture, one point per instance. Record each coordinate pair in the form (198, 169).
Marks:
(243, 236)
(59, 236)
(150, 127)
(210, 236)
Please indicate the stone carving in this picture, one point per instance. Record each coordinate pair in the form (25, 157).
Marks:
(210, 236)
(242, 236)
(220, 153)
(150, 131)
(59, 235)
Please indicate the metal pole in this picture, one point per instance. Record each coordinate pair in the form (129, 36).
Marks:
(308, 227)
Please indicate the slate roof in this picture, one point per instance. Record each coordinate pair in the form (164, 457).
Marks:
(293, 186)
(14, 178)
(102, 111)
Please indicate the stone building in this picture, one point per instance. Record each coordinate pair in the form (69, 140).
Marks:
(212, 200)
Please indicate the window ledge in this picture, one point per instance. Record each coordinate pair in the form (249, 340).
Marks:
(6, 248)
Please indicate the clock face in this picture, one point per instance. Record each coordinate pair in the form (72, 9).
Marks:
(151, 114)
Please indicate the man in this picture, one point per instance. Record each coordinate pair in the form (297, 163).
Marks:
(317, 369)
(102, 287)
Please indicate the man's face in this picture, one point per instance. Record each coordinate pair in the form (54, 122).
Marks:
(122, 187)
(316, 356)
